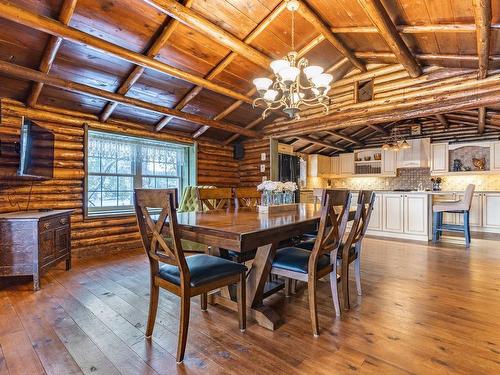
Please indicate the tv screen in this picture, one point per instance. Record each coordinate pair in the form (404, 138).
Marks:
(36, 152)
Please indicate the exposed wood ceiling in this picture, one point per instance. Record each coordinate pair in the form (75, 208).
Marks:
(187, 66)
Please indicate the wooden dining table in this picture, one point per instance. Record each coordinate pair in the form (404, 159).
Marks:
(244, 230)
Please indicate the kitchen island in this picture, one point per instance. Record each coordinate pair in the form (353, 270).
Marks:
(408, 214)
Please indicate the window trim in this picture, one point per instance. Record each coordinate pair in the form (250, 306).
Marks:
(189, 174)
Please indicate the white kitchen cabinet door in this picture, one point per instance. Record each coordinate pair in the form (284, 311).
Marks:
(347, 164)
(376, 218)
(476, 212)
(335, 165)
(439, 157)
(491, 211)
(389, 163)
(416, 214)
(393, 210)
(495, 156)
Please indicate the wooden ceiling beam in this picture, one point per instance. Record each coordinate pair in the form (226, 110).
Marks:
(310, 16)
(20, 72)
(482, 16)
(481, 124)
(442, 119)
(193, 20)
(157, 44)
(51, 49)
(423, 56)
(380, 18)
(414, 29)
(53, 27)
(319, 142)
(344, 137)
(417, 107)
(223, 65)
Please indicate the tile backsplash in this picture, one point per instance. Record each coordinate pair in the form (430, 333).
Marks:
(410, 178)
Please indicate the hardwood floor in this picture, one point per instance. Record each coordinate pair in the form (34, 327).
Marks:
(425, 309)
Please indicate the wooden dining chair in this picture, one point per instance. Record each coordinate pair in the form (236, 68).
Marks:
(310, 266)
(170, 269)
(214, 199)
(246, 197)
(351, 249)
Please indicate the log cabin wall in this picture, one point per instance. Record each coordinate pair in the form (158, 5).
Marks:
(216, 166)
(249, 166)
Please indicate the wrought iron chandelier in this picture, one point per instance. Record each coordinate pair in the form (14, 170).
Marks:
(295, 83)
(396, 142)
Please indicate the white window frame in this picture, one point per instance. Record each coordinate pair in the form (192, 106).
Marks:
(184, 173)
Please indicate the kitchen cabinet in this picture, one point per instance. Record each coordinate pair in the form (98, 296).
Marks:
(389, 162)
(376, 218)
(475, 214)
(495, 156)
(416, 215)
(306, 196)
(319, 165)
(346, 164)
(491, 213)
(393, 213)
(335, 165)
(417, 156)
(439, 157)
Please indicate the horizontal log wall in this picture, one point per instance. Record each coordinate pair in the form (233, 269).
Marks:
(249, 166)
(216, 166)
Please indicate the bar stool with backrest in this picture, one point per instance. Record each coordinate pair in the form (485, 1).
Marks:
(459, 207)
(171, 270)
(214, 199)
(310, 266)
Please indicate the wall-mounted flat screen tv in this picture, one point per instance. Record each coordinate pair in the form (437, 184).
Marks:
(36, 151)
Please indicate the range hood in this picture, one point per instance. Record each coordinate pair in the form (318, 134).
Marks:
(417, 156)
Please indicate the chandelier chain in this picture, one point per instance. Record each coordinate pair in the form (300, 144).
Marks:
(293, 30)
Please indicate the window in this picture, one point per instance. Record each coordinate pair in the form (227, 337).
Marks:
(118, 164)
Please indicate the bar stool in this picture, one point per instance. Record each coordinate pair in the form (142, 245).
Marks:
(460, 207)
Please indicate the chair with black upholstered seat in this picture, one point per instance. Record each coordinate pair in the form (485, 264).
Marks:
(170, 269)
(310, 266)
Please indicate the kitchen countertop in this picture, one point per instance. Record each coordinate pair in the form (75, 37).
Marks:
(423, 191)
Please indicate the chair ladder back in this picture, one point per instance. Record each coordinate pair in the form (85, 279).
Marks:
(214, 199)
(364, 208)
(332, 225)
(152, 232)
(247, 197)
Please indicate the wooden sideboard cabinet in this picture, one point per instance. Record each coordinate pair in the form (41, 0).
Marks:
(32, 241)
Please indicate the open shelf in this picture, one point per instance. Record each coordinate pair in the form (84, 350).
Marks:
(367, 161)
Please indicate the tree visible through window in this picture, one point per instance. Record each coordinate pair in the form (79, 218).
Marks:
(117, 164)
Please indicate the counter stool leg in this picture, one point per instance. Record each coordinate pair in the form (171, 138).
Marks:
(467, 228)
(435, 220)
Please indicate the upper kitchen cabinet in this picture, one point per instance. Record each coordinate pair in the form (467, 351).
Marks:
(439, 158)
(495, 156)
(319, 165)
(417, 156)
(346, 164)
(389, 163)
(335, 165)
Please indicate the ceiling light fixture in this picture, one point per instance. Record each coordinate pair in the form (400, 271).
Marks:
(295, 83)
(396, 142)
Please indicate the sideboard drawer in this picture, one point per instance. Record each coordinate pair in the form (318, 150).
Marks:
(53, 223)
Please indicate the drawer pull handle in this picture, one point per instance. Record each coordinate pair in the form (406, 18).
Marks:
(63, 220)
(46, 225)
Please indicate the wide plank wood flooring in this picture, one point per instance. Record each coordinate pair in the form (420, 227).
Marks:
(425, 310)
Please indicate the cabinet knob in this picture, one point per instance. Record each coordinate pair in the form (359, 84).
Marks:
(46, 225)
(63, 220)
